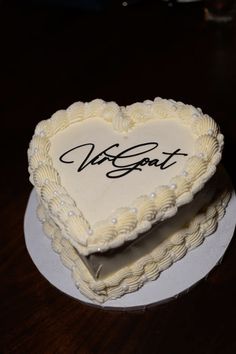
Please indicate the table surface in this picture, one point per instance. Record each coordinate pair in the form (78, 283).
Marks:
(55, 55)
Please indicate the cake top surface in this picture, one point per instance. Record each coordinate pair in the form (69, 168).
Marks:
(107, 173)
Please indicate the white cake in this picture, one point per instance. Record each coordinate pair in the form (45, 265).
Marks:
(126, 191)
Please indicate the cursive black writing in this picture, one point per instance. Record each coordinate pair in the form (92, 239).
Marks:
(124, 161)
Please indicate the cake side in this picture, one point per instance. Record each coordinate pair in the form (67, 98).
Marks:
(160, 205)
(146, 268)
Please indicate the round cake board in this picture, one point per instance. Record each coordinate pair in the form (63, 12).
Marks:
(179, 278)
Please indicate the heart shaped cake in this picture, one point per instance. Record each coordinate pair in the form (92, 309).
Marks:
(122, 190)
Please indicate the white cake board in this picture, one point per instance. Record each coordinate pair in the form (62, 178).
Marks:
(177, 279)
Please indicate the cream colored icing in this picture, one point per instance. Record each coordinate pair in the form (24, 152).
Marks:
(91, 187)
(104, 264)
(149, 265)
(137, 213)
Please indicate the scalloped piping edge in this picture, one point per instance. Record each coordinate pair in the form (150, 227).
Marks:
(147, 268)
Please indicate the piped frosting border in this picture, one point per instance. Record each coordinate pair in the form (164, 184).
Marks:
(146, 210)
(147, 268)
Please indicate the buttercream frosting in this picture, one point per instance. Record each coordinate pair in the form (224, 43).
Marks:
(145, 268)
(105, 175)
(204, 152)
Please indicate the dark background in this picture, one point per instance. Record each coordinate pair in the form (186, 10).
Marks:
(55, 53)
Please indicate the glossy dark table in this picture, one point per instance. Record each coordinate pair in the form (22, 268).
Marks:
(53, 56)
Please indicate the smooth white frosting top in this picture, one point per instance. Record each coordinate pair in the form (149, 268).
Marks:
(96, 194)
